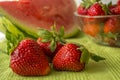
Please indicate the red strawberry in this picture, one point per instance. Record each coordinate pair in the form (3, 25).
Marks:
(46, 48)
(118, 3)
(51, 41)
(95, 10)
(28, 59)
(68, 58)
(81, 10)
(73, 58)
(112, 8)
(112, 25)
(115, 9)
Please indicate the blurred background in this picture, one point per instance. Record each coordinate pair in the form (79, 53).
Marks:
(77, 3)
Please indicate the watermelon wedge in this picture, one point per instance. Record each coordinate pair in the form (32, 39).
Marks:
(31, 15)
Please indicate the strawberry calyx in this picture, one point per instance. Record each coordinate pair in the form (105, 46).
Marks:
(87, 3)
(105, 8)
(86, 55)
(52, 36)
(111, 35)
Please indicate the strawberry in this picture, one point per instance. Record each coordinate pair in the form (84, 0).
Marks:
(81, 10)
(91, 29)
(118, 3)
(85, 5)
(115, 9)
(51, 41)
(112, 31)
(95, 10)
(71, 58)
(112, 9)
(68, 58)
(28, 59)
(46, 48)
(112, 25)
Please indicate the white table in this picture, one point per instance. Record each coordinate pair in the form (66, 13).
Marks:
(2, 36)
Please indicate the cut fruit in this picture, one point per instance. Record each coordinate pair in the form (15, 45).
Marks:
(30, 15)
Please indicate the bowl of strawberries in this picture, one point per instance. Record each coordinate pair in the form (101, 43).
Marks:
(100, 21)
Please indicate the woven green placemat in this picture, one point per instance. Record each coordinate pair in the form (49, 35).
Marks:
(104, 70)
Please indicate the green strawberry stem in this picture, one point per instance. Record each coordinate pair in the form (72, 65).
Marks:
(105, 7)
(96, 57)
(88, 3)
(111, 35)
(86, 55)
(52, 36)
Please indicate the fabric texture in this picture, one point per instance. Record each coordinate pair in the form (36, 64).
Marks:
(108, 69)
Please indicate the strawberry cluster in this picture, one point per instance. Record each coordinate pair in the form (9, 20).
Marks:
(97, 8)
(33, 57)
(101, 21)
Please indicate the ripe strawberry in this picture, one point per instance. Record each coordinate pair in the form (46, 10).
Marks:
(115, 9)
(95, 10)
(28, 59)
(118, 3)
(73, 58)
(81, 10)
(112, 8)
(91, 29)
(84, 6)
(112, 25)
(51, 41)
(68, 58)
(46, 48)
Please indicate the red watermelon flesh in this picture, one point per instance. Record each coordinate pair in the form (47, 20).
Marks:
(35, 14)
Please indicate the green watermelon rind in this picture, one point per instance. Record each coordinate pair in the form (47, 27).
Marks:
(32, 31)
(75, 31)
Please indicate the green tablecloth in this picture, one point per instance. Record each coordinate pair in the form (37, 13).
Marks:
(104, 70)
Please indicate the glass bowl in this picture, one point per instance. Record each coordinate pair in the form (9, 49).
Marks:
(103, 30)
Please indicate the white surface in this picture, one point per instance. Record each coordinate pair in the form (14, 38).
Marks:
(2, 36)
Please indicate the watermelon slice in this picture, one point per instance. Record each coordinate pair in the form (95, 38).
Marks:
(30, 15)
